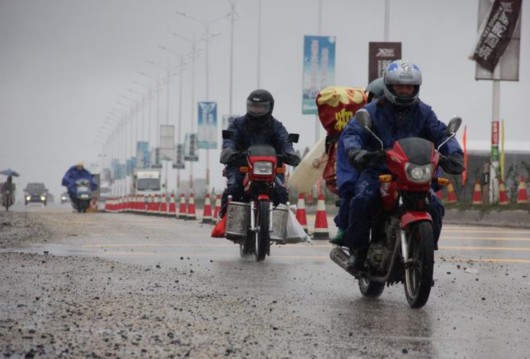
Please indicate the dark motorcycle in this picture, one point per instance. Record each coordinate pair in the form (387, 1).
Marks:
(7, 199)
(83, 195)
(401, 240)
(252, 221)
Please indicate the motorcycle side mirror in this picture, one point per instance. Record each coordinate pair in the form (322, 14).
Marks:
(293, 138)
(454, 125)
(227, 135)
(364, 118)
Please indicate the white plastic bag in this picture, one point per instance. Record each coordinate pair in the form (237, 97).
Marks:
(295, 231)
(310, 169)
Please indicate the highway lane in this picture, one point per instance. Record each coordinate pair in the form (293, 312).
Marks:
(478, 306)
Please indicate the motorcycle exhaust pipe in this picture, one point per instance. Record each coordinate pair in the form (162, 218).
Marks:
(340, 257)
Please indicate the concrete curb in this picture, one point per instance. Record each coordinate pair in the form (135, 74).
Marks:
(473, 217)
(513, 218)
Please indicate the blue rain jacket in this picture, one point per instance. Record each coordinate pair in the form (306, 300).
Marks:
(73, 174)
(421, 121)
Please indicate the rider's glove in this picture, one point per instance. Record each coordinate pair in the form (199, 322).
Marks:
(453, 164)
(363, 158)
(292, 159)
(229, 156)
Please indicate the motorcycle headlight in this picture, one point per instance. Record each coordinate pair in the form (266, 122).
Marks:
(262, 168)
(418, 174)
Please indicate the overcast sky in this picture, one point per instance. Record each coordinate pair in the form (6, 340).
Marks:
(66, 64)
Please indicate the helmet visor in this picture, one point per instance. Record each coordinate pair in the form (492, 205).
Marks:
(258, 109)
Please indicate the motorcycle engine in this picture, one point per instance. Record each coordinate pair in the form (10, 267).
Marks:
(379, 257)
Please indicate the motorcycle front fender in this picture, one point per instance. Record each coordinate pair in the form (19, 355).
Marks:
(414, 216)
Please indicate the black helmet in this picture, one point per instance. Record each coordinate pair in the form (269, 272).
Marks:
(259, 107)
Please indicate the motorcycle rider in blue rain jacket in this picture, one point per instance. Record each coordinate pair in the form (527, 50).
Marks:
(256, 127)
(398, 114)
(346, 174)
(73, 174)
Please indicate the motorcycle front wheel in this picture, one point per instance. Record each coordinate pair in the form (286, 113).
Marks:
(262, 235)
(82, 206)
(419, 270)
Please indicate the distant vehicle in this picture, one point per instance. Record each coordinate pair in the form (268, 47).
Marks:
(36, 192)
(65, 198)
(147, 181)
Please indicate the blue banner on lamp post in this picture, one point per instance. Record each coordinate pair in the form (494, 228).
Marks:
(319, 69)
(207, 129)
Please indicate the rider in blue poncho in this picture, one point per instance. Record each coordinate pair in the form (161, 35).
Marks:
(75, 173)
(398, 114)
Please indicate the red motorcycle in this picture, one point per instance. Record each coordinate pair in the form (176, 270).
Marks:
(252, 221)
(401, 245)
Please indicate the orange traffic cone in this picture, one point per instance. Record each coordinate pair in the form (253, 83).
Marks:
(522, 195)
(207, 211)
(191, 208)
(172, 210)
(301, 215)
(163, 206)
(477, 193)
(451, 195)
(217, 208)
(182, 207)
(321, 221)
(503, 197)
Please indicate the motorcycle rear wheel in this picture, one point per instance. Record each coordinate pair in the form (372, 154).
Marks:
(419, 273)
(262, 235)
(370, 289)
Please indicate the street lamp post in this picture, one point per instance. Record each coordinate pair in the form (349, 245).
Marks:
(179, 124)
(193, 42)
(207, 36)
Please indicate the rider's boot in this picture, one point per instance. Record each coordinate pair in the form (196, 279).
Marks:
(338, 239)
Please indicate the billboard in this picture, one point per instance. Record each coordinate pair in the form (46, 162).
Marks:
(191, 147)
(143, 157)
(380, 54)
(179, 157)
(167, 143)
(499, 40)
(319, 69)
(207, 130)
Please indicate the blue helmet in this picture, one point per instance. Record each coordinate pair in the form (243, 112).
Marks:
(402, 72)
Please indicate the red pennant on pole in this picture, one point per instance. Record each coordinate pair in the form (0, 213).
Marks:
(464, 144)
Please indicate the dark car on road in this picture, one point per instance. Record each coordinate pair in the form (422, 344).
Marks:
(36, 193)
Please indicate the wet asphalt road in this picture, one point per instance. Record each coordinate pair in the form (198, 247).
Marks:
(479, 306)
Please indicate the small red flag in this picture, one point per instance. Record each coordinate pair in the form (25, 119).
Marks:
(464, 144)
